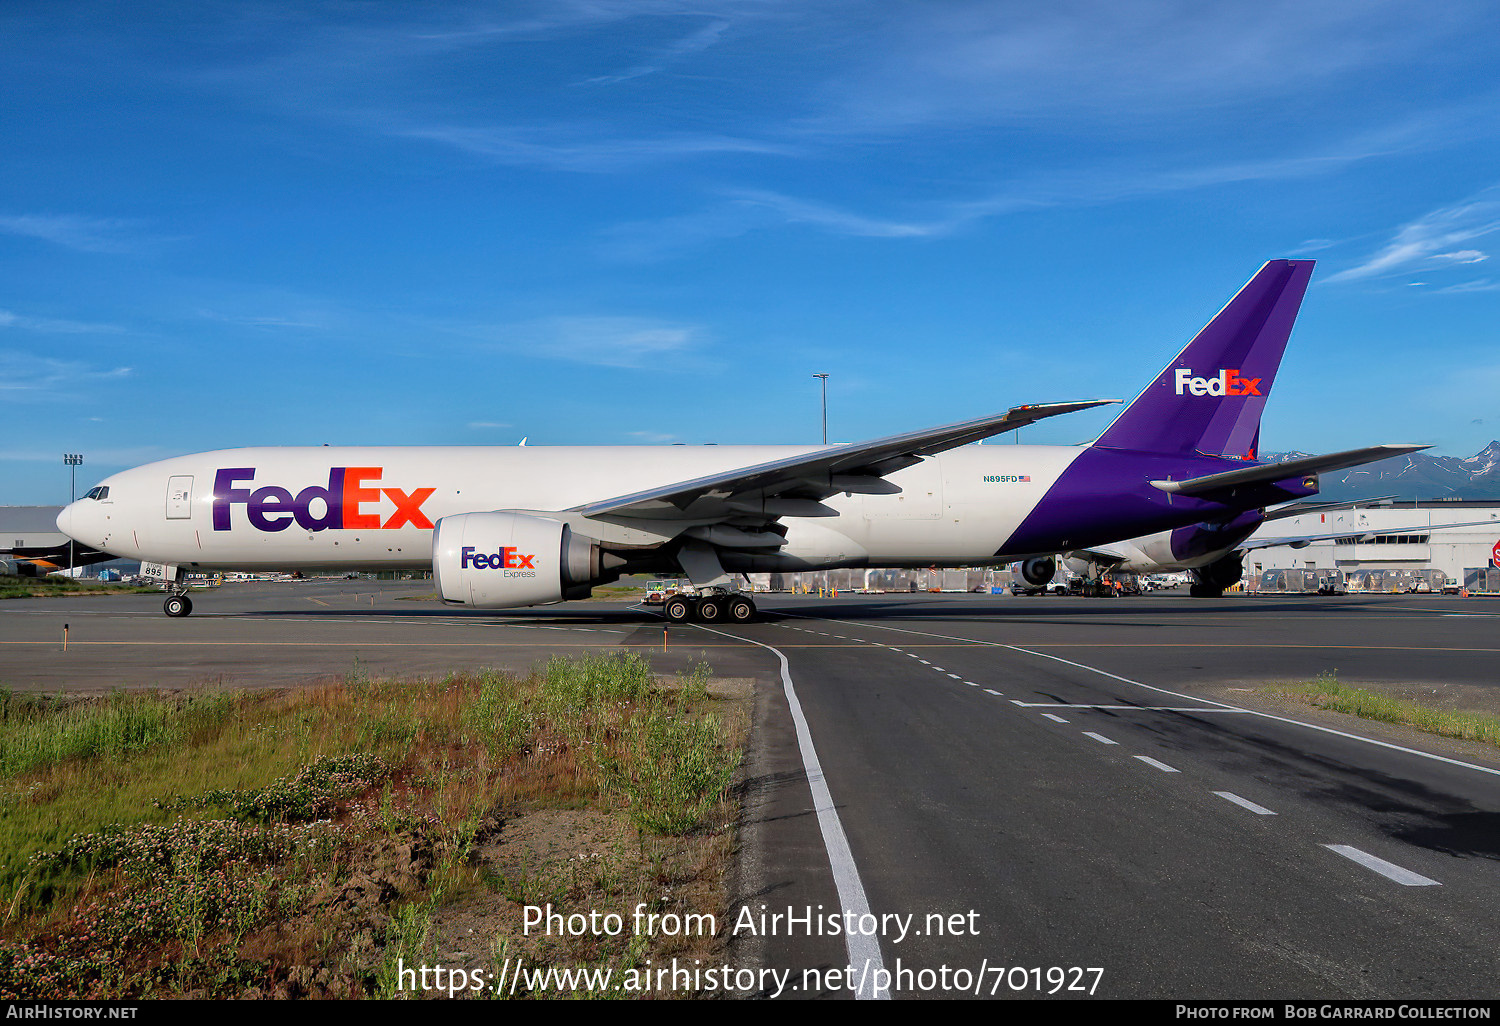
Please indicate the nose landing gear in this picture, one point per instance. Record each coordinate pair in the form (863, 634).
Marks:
(177, 605)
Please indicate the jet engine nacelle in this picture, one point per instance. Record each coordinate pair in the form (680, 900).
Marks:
(1038, 570)
(499, 560)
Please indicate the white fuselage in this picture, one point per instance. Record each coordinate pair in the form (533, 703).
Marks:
(957, 508)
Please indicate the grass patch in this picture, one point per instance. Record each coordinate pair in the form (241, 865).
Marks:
(1327, 693)
(12, 586)
(42, 731)
(310, 842)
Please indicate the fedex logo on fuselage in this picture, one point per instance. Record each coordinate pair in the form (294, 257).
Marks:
(507, 559)
(1227, 382)
(350, 501)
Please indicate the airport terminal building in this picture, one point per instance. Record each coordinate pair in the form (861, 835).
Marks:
(1460, 553)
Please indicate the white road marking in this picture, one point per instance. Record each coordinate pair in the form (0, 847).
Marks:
(1154, 762)
(1099, 738)
(997, 694)
(955, 676)
(863, 950)
(1127, 708)
(1054, 718)
(1244, 803)
(1223, 706)
(1389, 870)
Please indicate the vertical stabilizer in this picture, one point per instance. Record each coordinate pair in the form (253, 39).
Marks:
(1209, 398)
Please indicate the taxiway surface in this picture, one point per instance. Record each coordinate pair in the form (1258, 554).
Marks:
(1064, 782)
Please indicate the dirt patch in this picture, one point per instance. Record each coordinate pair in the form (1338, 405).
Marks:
(582, 865)
(535, 858)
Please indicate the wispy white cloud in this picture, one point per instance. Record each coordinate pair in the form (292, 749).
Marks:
(583, 147)
(487, 425)
(298, 321)
(1426, 242)
(625, 342)
(694, 42)
(73, 231)
(844, 222)
(55, 325)
(1017, 64)
(25, 377)
(651, 436)
(1480, 285)
(744, 210)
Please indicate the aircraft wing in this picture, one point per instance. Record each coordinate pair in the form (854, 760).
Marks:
(1300, 540)
(795, 485)
(1263, 473)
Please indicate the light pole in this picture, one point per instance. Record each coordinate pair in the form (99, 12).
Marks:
(825, 406)
(74, 460)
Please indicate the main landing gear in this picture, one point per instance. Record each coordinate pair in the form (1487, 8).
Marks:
(712, 608)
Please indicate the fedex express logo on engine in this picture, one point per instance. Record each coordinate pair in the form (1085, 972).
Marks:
(1227, 382)
(507, 559)
(351, 500)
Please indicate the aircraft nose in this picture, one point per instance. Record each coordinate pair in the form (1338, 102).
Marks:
(65, 519)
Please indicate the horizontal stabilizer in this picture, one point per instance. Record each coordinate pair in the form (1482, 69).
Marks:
(1264, 473)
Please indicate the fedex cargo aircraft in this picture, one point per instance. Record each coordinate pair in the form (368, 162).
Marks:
(1214, 553)
(527, 525)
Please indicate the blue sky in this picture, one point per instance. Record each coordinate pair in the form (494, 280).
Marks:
(603, 222)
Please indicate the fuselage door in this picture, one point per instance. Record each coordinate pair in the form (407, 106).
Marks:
(180, 497)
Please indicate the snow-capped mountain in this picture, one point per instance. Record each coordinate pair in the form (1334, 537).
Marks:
(1415, 476)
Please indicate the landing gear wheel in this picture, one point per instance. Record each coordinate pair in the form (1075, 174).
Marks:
(177, 605)
(710, 610)
(741, 609)
(678, 610)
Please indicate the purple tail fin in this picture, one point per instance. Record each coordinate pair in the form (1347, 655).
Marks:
(1210, 397)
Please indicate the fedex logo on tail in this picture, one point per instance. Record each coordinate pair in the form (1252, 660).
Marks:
(1227, 382)
(351, 500)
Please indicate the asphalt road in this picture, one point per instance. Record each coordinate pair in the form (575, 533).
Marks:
(1059, 784)
(1049, 769)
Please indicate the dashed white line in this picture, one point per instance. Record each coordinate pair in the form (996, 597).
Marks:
(955, 676)
(1225, 707)
(1054, 718)
(997, 694)
(1389, 870)
(1244, 803)
(1099, 738)
(1153, 762)
(1128, 708)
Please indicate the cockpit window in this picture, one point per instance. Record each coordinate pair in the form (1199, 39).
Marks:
(97, 492)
